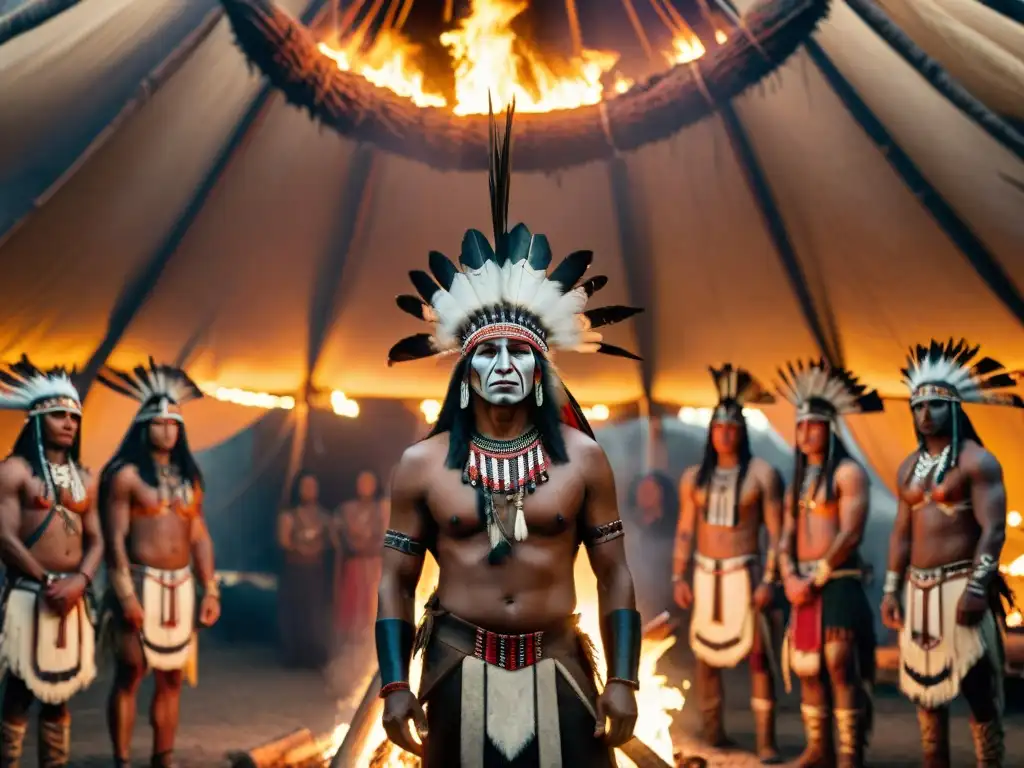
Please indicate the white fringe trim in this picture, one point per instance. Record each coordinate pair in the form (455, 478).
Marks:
(958, 648)
(20, 649)
(735, 631)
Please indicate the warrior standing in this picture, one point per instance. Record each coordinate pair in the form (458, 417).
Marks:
(152, 505)
(826, 511)
(502, 492)
(724, 504)
(950, 528)
(51, 545)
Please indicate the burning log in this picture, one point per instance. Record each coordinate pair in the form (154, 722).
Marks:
(282, 752)
(363, 720)
(287, 53)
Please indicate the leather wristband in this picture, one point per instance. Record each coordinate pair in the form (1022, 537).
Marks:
(620, 632)
(394, 651)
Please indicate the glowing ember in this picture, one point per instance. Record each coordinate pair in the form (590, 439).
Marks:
(656, 700)
(489, 59)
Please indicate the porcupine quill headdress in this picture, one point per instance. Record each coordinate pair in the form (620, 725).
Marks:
(736, 388)
(507, 292)
(161, 390)
(950, 372)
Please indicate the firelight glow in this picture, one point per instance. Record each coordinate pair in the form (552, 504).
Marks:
(489, 61)
(342, 406)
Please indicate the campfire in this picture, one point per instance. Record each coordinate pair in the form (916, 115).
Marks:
(656, 701)
(490, 60)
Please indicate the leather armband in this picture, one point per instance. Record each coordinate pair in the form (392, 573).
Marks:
(400, 542)
(984, 569)
(620, 632)
(893, 579)
(602, 534)
(394, 653)
(123, 586)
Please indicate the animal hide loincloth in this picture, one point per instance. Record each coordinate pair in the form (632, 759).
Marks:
(723, 622)
(54, 656)
(936, 652)
(169, 608)
(509, 699)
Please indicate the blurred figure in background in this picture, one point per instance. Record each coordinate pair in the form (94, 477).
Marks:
(651, 514)
(303, 533)
(359, 537)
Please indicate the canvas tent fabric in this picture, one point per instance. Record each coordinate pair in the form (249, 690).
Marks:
(157, 197)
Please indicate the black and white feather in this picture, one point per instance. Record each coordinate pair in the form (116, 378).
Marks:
(25, 387)
(819, 388)
(506, 284)
(152, 385)
(953, 368)
(738, 385)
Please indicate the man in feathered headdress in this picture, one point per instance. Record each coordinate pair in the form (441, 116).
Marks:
(725, 502)
(151, 498)
(51, 545)
(826, 510)
(950, 528)
(503, 492)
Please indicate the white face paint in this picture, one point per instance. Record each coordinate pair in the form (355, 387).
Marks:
(504, 371)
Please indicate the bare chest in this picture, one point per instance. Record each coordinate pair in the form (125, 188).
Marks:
(726, 502)
(458, 509)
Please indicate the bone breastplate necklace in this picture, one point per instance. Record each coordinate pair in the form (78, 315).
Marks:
(927, 464)
(509, 468)
(66, 478)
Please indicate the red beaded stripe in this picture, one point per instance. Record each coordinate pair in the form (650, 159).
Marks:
(509, 652)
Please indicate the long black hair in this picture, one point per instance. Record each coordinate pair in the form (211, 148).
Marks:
(32, 440)
(137, 450)
(710, 459)
(961, 429)
(836, 454)
(459, 422)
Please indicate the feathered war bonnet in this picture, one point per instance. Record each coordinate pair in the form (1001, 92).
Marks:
(950, 373)
(736, 389)
(24, 387)
(821, 392)
(160, 390)
(506, 291)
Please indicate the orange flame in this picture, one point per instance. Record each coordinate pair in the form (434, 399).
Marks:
(490, 60)
(655, 702)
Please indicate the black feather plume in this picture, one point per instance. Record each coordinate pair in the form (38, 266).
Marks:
(425, 286)
(611, 349)
(603, 316)
(412, 348)
(443, 269)
(500, 174)
(569, 272)
(412, 305)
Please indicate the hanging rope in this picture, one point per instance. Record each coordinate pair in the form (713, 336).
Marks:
(574, 28)
(638, 28)
(676, 17)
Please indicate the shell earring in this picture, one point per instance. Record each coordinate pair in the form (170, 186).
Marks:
(464, 394)
(538, 392)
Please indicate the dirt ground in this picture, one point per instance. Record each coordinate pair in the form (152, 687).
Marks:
(245, 698)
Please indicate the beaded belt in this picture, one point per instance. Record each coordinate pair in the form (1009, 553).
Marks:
(508, 651)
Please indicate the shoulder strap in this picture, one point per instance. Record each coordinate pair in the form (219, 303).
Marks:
(37, 534)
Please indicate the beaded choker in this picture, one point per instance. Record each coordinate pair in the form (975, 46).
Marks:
(511, 468)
